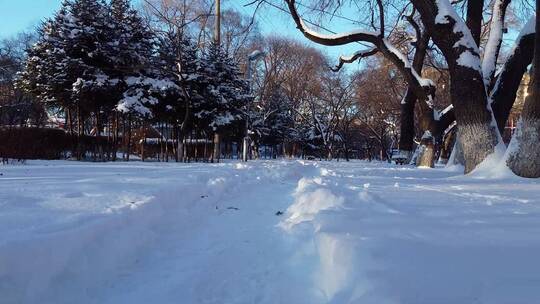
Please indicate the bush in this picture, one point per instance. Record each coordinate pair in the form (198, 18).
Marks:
(33, 143)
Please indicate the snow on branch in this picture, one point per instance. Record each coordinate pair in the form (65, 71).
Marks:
(508, 78)
(465, 46)
(493, 45)
(438, 114)
(424, 88)
(330, 39)
(521, 42)
(354, 57)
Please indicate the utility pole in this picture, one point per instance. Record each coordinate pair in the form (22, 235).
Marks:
(217, 29)
(217, 35)
(251, 58)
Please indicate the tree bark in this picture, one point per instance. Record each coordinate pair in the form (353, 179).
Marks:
(508, 82)
(446, 147)
(407, 130)
(477, 136)
(426, 152)
(474, 18)
(406, 139)
(217, 148)
(523, 158)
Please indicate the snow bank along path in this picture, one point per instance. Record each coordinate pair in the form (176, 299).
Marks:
(197, 233)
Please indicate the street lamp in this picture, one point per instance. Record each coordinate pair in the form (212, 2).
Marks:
(255, 55)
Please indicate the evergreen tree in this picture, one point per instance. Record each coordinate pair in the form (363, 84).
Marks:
(132, 45)
(227, 91)
(179, 62)
(272, 119)
(83, 34)
(65, 68)
(131, 53)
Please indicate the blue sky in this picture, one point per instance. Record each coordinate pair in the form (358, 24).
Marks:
(21, 15)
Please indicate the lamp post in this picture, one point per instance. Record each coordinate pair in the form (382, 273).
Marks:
(255, 55)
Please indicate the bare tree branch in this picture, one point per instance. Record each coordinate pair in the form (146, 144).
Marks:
(424, 88)
(354, 57)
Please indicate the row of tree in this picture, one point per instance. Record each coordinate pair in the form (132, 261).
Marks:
(105, 71)
(100, 64)
(481, 95)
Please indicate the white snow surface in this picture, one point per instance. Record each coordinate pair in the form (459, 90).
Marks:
(351, 232)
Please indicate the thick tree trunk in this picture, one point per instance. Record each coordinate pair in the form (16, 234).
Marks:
(477, 135)
(474, 18)
(406, 139)
(427, 122)
(509, 80)
(426, 151)
(523, 157)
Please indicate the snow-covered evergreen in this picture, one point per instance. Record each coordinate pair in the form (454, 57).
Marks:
(227, 91)
(67, 64)
(179, 62)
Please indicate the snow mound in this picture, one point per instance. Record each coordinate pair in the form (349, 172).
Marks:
(310, 197)
(494, 166)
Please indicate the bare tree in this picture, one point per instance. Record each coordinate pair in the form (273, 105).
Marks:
(473, 79)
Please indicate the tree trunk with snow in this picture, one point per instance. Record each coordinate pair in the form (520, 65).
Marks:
(477, 134)
(509, 79)
(478, 137)
(426, 150)
(407, 130)
(426, 153)
(523, 156)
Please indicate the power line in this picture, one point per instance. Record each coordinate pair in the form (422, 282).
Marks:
(332, 15)
(264, 18)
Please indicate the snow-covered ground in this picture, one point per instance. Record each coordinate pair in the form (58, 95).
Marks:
(353, 232)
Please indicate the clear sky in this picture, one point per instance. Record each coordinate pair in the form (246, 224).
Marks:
(21, 15)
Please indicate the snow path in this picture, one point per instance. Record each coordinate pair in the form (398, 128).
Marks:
(197, 233)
